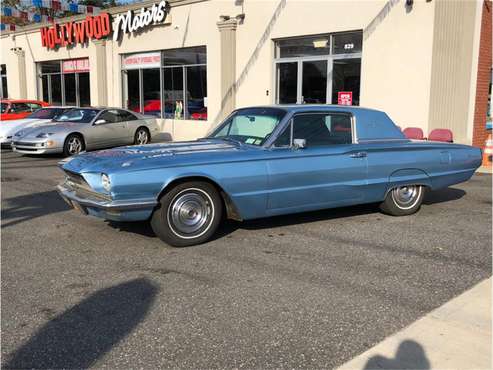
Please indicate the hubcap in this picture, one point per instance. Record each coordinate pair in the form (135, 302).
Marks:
(142, 137)
(74, 145)
(189, 212)
(406, 196)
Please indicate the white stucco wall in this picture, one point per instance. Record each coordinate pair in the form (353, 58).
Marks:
(396, 64)
(396, 57)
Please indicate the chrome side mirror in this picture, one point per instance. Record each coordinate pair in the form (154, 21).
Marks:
(100, 121)
(299, 143)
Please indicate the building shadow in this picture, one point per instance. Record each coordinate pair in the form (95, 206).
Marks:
(81, 335)
(30, 206)
(409, 355)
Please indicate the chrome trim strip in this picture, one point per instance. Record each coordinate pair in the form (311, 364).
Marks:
(68, 194)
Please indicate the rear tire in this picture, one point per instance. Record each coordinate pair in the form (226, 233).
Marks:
(403, 200)
(142, 136)
(188, 214)
(73, 145)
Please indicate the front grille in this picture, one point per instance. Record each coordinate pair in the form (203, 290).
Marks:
(76, 178)
(79, 185)
(20, 143)
(28, 149)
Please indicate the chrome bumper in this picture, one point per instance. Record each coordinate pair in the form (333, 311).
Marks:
(26, 147)
(71, 197)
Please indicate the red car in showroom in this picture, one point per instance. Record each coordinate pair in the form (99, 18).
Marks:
(17, 109)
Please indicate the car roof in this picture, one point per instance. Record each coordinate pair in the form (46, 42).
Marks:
(316, 107)
(101, 107)
(3, 100)
(59, 107)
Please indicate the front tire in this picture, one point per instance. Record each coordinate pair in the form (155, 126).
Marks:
(73, 145)
(188, 214)
(403, 200)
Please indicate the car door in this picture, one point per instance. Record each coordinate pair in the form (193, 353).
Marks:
(131, 124)
(108, 129)
(328, 171)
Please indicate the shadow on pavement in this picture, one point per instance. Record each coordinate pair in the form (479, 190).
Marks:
(409, 355)
(30, 206)
(78, 337)
(443, 195)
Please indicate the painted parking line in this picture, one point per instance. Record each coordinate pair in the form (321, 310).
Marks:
(456, 335)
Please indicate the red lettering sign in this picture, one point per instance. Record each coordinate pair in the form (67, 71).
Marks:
(93, 27)
(75, 65)
(345, 98)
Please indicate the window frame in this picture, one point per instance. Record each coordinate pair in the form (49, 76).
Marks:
(290, 126)
(330, 58)
(62, 83)
(3, 75)
(162, 67)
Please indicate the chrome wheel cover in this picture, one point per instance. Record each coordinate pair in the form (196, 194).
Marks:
(190, 213)
(142, 137)
(74, 145)
(406, 197)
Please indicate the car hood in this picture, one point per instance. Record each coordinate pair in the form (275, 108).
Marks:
(50, 127)
(10, 127)
(155, 156)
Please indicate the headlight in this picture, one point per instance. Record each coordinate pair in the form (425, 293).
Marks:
(105, 181)
(43, 135)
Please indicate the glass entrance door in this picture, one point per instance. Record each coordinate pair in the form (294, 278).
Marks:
(314, 82)
(302, 81)
(287, 83)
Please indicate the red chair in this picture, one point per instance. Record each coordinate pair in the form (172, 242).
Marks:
(413, 133)
(441, 134)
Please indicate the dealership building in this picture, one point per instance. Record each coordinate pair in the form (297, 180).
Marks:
(427, 63)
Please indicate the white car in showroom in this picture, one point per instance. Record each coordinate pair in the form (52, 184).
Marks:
(39, 117)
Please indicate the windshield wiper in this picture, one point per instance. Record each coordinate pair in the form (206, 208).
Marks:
(226, 138)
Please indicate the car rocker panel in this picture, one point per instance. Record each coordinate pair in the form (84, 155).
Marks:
(249, 165)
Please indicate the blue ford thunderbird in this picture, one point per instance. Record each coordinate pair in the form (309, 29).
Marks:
(265, 161)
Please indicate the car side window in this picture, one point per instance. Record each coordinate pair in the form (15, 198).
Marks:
(110, 116)
(19, 108)
(125, 116)
(33, 106)
(318, 129)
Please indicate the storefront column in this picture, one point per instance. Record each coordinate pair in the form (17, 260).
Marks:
(227, 29)
(21, 63)
(101, 75)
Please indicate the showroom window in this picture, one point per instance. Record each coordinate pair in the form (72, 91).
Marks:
(4, 92)
(168, 84)
(321, 69)
(65, 82)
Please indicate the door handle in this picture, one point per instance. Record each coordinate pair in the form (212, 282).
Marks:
(358, 155)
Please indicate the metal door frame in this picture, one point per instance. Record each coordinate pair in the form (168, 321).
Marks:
(299, 78)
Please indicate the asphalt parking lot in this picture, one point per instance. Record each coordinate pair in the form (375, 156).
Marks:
(310, 290)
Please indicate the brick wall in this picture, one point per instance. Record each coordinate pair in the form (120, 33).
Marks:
(484, 72)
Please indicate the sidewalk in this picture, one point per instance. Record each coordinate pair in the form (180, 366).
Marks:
(456, 335)
(484, 169)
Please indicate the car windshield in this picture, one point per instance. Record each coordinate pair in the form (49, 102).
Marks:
(47, 113)
(78, 115)
(4, 107)
(250, 125)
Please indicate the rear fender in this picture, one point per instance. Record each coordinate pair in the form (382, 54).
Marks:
(410, 176)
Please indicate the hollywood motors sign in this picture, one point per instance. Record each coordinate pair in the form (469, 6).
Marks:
(101, 26)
